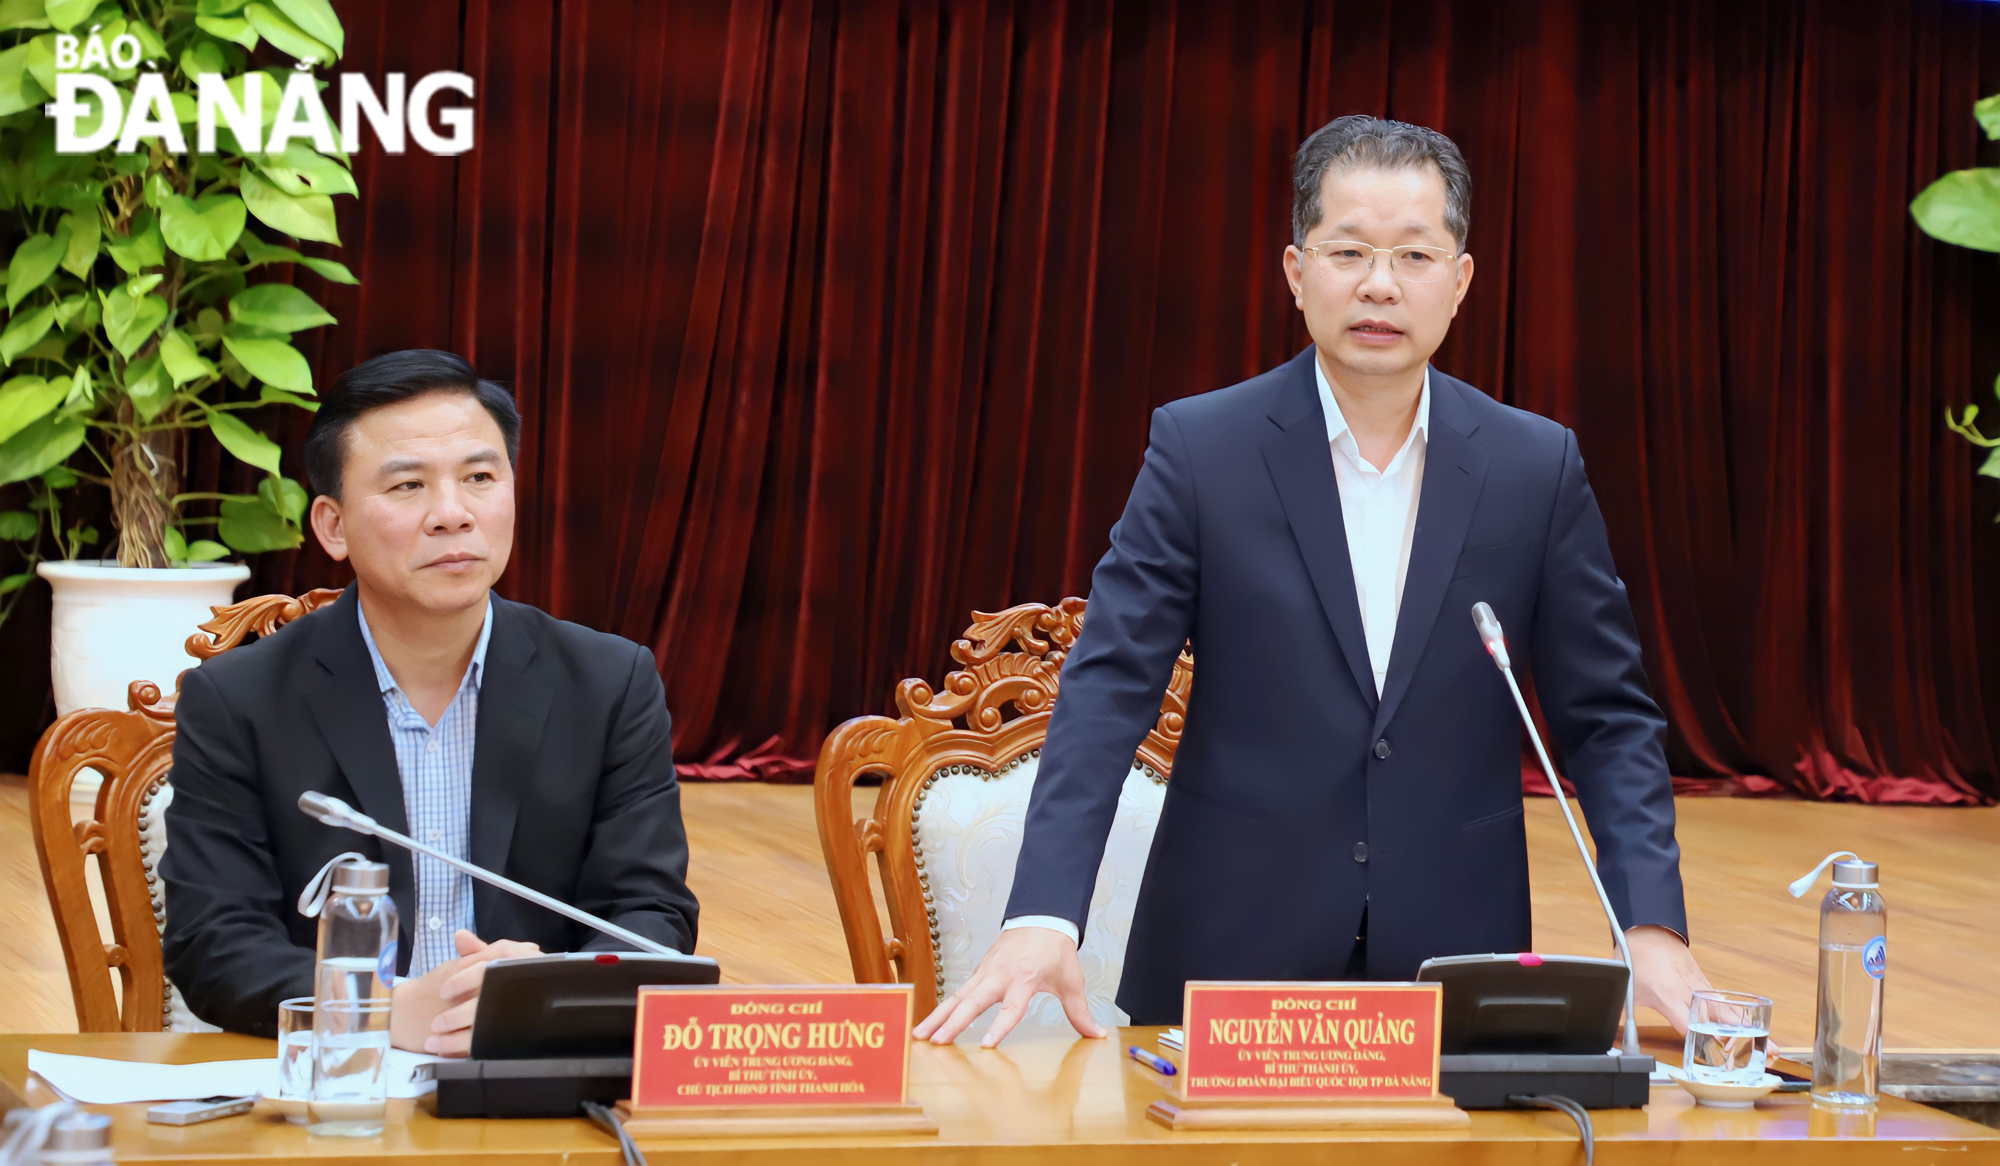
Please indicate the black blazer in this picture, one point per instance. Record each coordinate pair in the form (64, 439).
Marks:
(1298, 797)
(573, 794)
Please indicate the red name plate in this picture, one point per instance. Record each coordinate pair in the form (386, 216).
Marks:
(1266, 1041)
(729, 1046)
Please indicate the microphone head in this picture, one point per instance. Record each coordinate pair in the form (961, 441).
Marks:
(1490, 633)
(333, 812)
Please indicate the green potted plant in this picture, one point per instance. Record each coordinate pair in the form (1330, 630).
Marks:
(1963, 207)
(147, 298)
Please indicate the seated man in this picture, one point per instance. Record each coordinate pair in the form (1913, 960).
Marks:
(484, 728)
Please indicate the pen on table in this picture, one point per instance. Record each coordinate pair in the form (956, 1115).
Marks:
(1157, 1064)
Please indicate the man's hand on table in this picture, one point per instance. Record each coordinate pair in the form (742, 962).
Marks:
(432, 1013)
(1664, 974)
(1021, 963)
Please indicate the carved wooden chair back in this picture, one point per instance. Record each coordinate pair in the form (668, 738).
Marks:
(132, 748)
(956, 768)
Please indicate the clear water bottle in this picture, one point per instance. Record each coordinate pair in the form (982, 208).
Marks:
(1853, 956)
(357, 968)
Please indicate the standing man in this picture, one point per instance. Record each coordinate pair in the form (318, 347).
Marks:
(1346, 796)
(484, 728)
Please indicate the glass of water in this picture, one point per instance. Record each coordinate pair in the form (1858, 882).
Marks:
(350, 1081)
(295, 1064)
(1728, 1033)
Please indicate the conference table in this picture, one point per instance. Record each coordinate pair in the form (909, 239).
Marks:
(1045, 1098)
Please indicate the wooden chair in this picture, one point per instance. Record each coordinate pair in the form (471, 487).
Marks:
(956, 767)
(133, 749)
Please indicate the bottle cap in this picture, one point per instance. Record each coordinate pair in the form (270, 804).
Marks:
(80, 1131)
(1850, 873)
(350, 873)
(360, 877)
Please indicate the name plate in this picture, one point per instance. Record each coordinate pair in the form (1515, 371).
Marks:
(735, 1046)
(1317, 1041)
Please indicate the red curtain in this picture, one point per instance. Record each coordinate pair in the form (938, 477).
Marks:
(833, 321)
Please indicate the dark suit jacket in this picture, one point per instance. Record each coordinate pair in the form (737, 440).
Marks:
(573, 794)
(1298, 797)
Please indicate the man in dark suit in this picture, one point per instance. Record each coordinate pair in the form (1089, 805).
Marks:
(486, 728)
(1346, 795)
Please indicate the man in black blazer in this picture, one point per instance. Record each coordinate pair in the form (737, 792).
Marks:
(514, 740)
(1346, 795)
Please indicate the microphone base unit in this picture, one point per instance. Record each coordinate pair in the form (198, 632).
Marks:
(1592, 1080)
(530, 1087)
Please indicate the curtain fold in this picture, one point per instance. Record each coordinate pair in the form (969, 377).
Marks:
(835, 320)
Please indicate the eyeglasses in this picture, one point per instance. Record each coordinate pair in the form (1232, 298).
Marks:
(1411, 264)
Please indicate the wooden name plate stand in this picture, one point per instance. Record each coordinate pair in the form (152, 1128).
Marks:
(1308, 1056)
(1434, 1113)
(763, 1121)
(809, 1061)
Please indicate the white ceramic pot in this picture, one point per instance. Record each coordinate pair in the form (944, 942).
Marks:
(114, 625)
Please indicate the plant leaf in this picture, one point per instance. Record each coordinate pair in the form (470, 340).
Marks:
(18, 525)
(1987, 110)
(26, 400)
(201, 59)
(279, 307)
(34, 261)
(203, 550)
(251, 526)
(1963, 207)
(85, 234)
(284, 496)
(81, 390)
(316, 19)
(16, 581)
(276, 27)
(300, 170)
(202, 230)
(24, 331)
(281, 397)
(129, 321)
(19, 91)
(229, 28)
(174, 543)
(143, 247)
(23, 14)
(67, 14)
(39, 448)
(274, 362)
(148, 387)
(329, 270)
(308, 216)
(182, 360)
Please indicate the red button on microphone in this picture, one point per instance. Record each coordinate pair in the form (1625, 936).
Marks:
(1528, 960)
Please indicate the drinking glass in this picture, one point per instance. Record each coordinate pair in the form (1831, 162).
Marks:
(295, 1063)
(1727, 1035)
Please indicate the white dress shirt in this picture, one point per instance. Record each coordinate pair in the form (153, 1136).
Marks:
(1379, 509)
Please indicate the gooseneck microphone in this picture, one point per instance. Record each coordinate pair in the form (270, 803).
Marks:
(334, 812)
(1496, 646)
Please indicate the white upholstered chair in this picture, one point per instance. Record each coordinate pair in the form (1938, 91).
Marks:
(957, 768)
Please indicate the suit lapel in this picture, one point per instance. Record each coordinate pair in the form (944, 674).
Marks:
(513, 706)
(346, 703)
(1301, 465)
(1454, 471)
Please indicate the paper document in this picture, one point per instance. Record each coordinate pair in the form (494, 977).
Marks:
(99, 1081)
